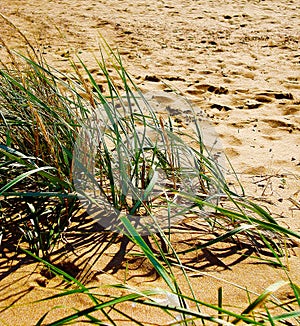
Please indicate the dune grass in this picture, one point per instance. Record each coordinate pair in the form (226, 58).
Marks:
(66, 144)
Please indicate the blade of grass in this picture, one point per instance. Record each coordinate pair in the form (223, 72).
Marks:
(136, 238)
(260, 300)
(23, 176)
(62, 273)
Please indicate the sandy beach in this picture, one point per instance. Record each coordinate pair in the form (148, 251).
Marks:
(238, 63)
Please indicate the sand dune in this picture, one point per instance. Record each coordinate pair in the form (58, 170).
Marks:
(238, 62)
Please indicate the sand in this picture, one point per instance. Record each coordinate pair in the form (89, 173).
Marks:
(238, 62)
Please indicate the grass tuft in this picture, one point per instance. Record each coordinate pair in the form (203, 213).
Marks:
(66, 145)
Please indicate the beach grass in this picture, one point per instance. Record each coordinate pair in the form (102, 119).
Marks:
(66, 145)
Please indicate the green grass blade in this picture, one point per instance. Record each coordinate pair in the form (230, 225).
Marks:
(288, 315)
(23, 176)
(110, 303)
(62, 273)
(14, 155)
(136, 238)
(261, 299)
(223, 237)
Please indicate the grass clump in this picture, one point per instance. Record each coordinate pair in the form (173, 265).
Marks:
(63, 138)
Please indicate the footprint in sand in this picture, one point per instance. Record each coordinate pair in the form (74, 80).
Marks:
(198, 89)
(291, 109)
(276, 123)
(270, 95)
